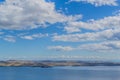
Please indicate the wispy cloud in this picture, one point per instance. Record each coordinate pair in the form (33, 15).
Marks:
(9, 38)
(33, 36)
(98, 2)
(61, 48)
(108, 46)
(1, 33)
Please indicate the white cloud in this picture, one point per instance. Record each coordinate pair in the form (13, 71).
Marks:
(9, 38)
(27, 36)
(61, 48)
(33, 36)
(107, 46)
(98, 2)
(29, 14)
(100, 35)
(103, 46)
(109, 34)
(94, 25)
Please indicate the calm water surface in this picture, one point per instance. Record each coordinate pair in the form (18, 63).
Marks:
(60, 73)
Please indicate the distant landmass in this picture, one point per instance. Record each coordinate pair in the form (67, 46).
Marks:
(47, 64)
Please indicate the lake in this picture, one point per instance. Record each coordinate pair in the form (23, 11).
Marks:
(60, 73)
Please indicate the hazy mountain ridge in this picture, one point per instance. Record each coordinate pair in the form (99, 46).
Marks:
(26, 63)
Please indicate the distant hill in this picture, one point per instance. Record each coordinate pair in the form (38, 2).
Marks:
(46, 64)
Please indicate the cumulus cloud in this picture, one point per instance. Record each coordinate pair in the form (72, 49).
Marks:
(98, 2)
(109, 34)
(94, 25)
(100, 35)
(29, 14)
(61, 48)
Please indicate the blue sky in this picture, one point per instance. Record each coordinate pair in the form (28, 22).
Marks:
(60, 29)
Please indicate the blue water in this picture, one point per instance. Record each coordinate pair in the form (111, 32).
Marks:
(60, 73)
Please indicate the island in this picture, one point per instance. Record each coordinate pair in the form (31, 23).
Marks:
(49, 64)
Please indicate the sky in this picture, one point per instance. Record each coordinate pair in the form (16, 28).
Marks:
(60, 29)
